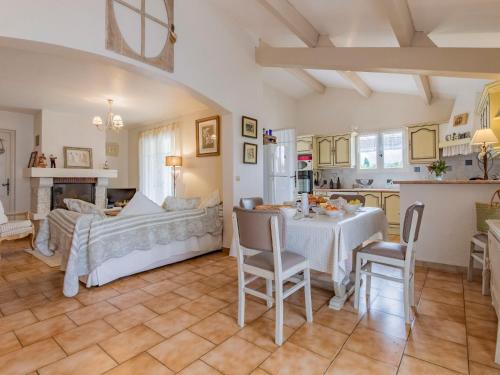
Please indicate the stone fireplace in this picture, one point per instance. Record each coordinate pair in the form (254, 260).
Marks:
(50, 185)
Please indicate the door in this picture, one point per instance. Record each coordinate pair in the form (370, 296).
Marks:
(372, 199)
(7, 141)
(342, 150)
(304, 145)
(324, 146)
(423, 144)
(391, 207)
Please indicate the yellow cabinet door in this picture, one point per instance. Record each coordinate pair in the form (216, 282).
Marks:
(423, 144)
(372, 199)
(390, 203)
(324, 152)
(342, 150)
(305, 144)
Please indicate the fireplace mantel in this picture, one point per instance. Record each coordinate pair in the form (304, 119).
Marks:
(69, 172)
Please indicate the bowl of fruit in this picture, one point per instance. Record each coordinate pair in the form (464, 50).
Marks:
(333, 211)
(352, 206)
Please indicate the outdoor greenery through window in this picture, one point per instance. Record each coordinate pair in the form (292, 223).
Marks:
(389, 146)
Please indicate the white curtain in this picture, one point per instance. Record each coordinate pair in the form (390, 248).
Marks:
(155, 179)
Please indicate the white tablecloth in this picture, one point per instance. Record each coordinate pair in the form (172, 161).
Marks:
(328, 243)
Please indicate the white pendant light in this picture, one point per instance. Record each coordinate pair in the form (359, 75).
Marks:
(113, 121)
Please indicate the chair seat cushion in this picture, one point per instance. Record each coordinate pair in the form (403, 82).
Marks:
(265, 260)
(385, 249)
(15, 227)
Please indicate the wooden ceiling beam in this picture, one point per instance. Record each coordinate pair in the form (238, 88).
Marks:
(308, 79)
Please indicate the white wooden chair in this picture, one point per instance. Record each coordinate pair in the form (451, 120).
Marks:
(260, 233)
(397, 255)
(16, 229)
(251, 203)
(479, 251)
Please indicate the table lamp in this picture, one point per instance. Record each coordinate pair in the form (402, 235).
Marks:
(483, 138)
(173, 161)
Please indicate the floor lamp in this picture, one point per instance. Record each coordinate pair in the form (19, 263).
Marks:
(173, 161)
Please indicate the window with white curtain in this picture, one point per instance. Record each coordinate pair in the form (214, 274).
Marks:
(388, 146)
(155, 179)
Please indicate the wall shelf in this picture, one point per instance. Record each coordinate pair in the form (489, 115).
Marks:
(456, 142)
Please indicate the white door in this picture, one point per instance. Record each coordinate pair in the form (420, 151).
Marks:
(7, 169)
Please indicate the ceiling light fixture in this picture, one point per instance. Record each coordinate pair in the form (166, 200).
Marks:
(113, 121)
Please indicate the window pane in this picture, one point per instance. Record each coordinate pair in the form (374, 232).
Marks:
(368, 152)
(393, 150)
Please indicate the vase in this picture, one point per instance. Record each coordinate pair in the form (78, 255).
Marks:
(439, 178)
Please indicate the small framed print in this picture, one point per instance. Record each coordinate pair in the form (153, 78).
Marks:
(248, 127)
(208, 136)
(33, 159)
(249, 153)
(77, 157)
(460, 119)
(112, 149)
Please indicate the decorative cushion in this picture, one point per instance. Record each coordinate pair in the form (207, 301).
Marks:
(3, 217)
(82, 207)
(140, 205)
(265, 260)
(15, 227)
(180, 204)
(212, 200)
(385, 249)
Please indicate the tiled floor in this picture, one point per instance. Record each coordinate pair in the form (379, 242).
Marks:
(181, 319)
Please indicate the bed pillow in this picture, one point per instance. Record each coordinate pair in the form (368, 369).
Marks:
(140, 205)
(82, 207)
(212, 200)
(180, 204)
(3, 218)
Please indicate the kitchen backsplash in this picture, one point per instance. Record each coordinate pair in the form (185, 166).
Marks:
(462, 168)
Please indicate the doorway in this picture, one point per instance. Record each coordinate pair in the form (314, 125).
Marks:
(7, 169)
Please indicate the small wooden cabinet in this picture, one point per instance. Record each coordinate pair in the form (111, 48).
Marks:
(324, 152)
(390, 204)
(343, 151)
(423, 144)
(305, 144)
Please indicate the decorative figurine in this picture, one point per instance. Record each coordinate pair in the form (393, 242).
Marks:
(52, 161)
(106, 165)
(42, 161)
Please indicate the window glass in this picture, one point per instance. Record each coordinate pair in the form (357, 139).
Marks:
(392, 148)
(368, 151)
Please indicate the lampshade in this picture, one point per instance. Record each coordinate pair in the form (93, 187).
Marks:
(484, 136)
(173, 161)
(97, 121)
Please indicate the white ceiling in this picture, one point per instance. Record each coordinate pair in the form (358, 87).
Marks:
(363, 23)
(68, 84)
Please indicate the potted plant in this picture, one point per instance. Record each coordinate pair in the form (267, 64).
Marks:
(439, 168)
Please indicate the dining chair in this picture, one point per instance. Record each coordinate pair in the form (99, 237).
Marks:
(478, 251)
(262, 233)
(251, 203)
(349, 197)
(397, 255)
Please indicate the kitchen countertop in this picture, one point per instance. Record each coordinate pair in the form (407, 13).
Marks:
(448, 182)
(362, 190)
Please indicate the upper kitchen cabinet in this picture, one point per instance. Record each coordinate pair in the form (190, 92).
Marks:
(423, 143)
(305, 144)
(344, 150)
(488, 109)
(324, 150)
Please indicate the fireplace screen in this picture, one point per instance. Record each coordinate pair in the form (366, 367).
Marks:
(76, 190)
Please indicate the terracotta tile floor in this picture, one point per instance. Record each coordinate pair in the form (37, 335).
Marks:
(181, 319)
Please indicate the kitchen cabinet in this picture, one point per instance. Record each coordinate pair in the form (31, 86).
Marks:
(488, 108)
(494, 258)
(372, 199)
(343, 150)
(423, 143)
(390, 204)
(324, 152)
(305, 144)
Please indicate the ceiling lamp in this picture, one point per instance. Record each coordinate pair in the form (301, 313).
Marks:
(112, 122)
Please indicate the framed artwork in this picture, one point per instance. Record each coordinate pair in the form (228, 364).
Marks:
(33, 159)
(112, 149)
(248, 127)
(77, 157)
(460, 119)
(208, 136)
(249, 153)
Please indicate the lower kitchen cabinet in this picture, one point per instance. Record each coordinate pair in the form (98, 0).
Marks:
(372, 199)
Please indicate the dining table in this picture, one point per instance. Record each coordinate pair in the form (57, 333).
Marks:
(330, 243)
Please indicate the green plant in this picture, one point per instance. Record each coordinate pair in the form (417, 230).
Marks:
(438, 167)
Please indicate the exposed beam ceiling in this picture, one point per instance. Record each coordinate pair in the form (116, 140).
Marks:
(308, 79)
(304, 30)
(458, 62)
(401, 22)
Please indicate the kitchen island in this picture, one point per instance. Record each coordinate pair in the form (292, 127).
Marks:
(449, 219)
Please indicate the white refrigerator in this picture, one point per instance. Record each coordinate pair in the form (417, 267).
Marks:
(280, 161)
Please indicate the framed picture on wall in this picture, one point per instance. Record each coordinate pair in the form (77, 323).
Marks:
(208, 136)
(249, 153)
(77, 157)
(248, 127)
(33, 159)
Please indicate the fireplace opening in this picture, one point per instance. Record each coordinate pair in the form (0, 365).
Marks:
(75, 188)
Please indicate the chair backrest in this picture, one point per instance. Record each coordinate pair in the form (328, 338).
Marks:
(254, 228)
(349, 197)
(414, 212)
(251, 203)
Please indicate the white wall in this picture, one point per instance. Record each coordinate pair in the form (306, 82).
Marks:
(199, 176)
(279, 110)
(23, 124)
(120, 162)
(65, 129)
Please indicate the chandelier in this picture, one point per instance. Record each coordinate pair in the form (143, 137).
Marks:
(112, 121)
